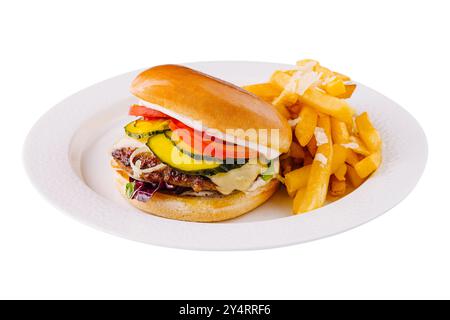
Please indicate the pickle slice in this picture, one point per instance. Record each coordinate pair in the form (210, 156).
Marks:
(141, 129)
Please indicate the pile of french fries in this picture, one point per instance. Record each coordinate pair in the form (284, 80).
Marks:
(334, 150)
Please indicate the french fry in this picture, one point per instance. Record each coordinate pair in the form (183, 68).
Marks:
(339, 131)
(352, 158)
(340, 172)
(341, 76)
(324, 122)
(335, 87)
(289, 72)
(280, 79)
(296, 151)
(327, 104)
(357, 145)
(297, 179)
(304, 130)
(368, 165)
(298, 200)
(312, 146)
(283, 100)
(286, 99)
(349, 89)
(339, 157)
(303, 62)
(351, 127)
(367, 132)
(337, 187)
(326, 73)
(266, 91)
(283, 111)
(353, 177)
(319, 177)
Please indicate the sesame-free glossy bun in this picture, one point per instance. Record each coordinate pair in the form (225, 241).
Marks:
(218, 104)
(202, 209)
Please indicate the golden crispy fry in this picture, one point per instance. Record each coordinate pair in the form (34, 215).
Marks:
(327, 104)
(357, 145)
(304, 129)
(289, 72)
(352, 157)
(319, 177)
(337, 187)
(266, 91)
(351, 127)
(283, 111)
(280, 104)
(368, 165)
(349, 89)
(339, 157)
(335, 87)
(340, 172)
(298, 200)
(324, 122)
(303, 62)
(286, 99)
(339, 131)
(341, 76)
(326, 73)
(353, 177)
(280, 79)
(297, 179)
(367, 132)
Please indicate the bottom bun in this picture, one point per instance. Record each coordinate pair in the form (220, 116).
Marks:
(202, 209)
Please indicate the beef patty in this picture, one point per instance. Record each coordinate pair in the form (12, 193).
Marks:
(167, 174)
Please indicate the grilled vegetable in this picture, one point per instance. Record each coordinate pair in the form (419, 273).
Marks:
(140, 129)
(187, 149)
(196, 142)
(164, 148)
(147, 113)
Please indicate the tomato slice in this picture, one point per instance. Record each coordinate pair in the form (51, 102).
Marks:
(190, 136)
(147, 113)
(209, 146)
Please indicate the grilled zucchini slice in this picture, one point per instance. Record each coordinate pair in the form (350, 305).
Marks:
(165, 149)
(187, 149)
(141, 129)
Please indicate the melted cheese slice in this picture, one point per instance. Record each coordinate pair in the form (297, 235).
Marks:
(237, 179)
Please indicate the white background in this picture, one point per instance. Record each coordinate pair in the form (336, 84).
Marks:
(51, 49)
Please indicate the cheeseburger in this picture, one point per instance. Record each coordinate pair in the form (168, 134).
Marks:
(201, 149)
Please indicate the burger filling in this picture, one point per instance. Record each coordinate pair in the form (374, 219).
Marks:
(161, 154)
(165, 175)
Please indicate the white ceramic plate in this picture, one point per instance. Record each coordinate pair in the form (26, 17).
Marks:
(67, 158)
